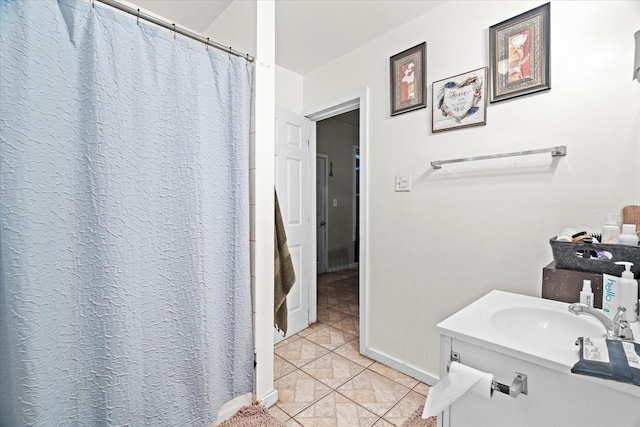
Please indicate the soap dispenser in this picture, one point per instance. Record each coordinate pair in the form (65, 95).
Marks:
(629, 292)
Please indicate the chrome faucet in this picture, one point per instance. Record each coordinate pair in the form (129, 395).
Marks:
(617, 329)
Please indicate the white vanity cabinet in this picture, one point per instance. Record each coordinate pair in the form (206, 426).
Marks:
(555, 396)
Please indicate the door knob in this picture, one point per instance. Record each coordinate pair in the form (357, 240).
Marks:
(322, 223)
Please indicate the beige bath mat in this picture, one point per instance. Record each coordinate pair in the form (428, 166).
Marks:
(416, 420)
(252, 416)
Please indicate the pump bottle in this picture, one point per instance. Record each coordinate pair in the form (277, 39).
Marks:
(629, 292)
(586, 295)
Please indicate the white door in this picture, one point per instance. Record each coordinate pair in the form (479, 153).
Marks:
(321, 211)
(292, 169)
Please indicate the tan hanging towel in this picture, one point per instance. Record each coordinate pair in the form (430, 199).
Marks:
(284, 275)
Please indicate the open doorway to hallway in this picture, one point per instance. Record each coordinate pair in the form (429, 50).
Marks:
(337, 218)
(357, 104)
(338, 192)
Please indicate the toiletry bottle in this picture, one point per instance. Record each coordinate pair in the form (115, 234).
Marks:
(586, 295)
(610, 231)
(628, 235)
(628, 292)
(611, 295)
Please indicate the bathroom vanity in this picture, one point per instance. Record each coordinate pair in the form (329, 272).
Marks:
(508, 334)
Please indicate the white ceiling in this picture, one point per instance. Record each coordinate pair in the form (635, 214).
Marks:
(309, 33)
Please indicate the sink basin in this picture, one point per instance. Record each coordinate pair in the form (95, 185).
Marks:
(537, 330)
(547, 326)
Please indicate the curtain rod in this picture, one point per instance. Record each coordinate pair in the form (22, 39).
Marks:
(173, 27)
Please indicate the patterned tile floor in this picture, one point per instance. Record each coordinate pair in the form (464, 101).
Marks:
(324, 381)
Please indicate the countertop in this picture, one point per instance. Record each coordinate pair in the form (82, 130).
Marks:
(471, 324)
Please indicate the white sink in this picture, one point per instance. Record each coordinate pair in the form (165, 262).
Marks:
(542, 325)
(505, 333)
(538, 330)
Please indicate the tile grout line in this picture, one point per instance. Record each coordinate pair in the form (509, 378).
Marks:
(335, 389)
(349, 298)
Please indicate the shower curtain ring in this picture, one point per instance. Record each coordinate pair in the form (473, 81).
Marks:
(207, 44)
(174, 30)
(138, 18)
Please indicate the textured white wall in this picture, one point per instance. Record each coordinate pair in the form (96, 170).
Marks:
(470, 228)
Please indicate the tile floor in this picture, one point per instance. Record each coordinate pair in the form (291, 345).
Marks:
(323, 380)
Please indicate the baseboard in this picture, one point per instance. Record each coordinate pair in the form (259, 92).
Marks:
(269, 399)
(232, 406)
(342, 267)
(403, 367)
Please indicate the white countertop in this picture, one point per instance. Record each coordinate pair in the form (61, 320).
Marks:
(471, 324)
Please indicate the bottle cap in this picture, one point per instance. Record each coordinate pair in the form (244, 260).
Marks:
(586, 286)
(628, 229)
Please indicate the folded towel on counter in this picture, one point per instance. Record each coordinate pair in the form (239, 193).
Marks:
(609, 359)
(284, 275)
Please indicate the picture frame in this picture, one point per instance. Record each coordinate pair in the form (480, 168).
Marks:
(460, 101)
(408, 74)
(519, 54)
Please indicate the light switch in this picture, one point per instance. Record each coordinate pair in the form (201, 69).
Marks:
(403, 182)
(335, 203)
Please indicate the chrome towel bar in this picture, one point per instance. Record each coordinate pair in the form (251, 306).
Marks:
(558, 151)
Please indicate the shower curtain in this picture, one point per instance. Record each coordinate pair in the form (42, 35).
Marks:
(124, 221)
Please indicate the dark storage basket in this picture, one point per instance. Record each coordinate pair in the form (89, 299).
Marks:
(575, 256)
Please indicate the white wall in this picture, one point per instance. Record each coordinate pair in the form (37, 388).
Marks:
(236, 27)
(288, 90)
(262, 184)
(470, 228)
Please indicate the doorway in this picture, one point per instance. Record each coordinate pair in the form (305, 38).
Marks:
(359, 102)
(337, 185)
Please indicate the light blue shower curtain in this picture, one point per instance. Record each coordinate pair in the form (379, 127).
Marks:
(124, 223)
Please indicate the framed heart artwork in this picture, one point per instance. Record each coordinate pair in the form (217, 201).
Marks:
(460, 101)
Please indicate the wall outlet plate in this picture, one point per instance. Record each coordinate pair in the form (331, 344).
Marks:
(403, 182)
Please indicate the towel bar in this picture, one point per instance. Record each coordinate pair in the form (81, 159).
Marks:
(558, 151)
